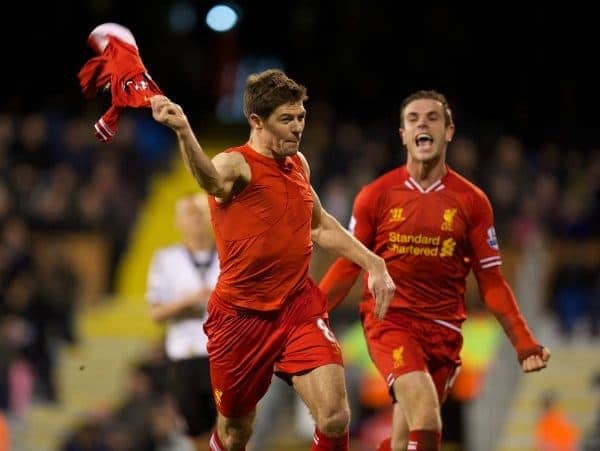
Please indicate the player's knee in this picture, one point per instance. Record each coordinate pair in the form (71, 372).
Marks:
(236, 439)
(235, 436)
(334, 422)
(430, 421)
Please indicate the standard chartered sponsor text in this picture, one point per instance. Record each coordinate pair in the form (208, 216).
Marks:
(428, 246)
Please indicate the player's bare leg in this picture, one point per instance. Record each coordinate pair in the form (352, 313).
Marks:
(233, 433)
(417, 397)
(399, 439)
(324, 392)
(399, 429)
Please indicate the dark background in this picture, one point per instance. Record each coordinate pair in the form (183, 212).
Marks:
(516, 68)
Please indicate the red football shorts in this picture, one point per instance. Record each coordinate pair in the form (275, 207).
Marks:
(401, 344)
(246, 347)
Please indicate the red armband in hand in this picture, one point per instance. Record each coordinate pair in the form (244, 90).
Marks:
(501, 302)
(118, 67)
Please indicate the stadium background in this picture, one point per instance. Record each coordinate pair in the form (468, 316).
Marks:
(79, 220)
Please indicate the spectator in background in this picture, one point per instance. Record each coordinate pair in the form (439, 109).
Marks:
(180, 282)
(554, 431)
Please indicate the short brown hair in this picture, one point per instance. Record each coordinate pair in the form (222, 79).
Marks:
(267, 90)
(427, 94)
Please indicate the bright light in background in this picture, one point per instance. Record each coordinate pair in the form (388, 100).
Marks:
(221, 18)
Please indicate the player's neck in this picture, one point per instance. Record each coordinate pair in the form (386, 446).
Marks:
(426, 173)
(262, 146)
(258, 146)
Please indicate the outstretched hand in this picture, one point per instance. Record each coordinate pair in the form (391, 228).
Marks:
(168, 113)
(382, 288)
(536, 362)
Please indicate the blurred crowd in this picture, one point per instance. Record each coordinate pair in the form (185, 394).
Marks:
(57, 180)
(144, 418)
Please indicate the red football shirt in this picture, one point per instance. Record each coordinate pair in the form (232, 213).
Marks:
(263, 234)
(430, 239)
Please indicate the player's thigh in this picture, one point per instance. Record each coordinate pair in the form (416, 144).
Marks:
(416, 394)
(323, 390)
(415, 389)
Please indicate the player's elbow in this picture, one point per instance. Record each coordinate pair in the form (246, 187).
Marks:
(315, 234)
(213, 186)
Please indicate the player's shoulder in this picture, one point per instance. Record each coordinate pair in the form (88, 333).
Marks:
(461, 185)
(233, 154)
(236, 149)
(383, 183)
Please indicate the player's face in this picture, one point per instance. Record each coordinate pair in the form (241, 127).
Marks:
(283, 129)
(425, 132)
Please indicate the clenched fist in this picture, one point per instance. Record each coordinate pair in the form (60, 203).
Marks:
(168, 113)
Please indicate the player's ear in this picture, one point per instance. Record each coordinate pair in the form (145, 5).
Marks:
(449, 132)
(401, 133)
(255, 121)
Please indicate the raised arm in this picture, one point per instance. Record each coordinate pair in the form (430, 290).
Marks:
(216, 177)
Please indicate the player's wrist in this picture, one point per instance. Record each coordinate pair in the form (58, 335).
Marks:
(527, 351)
(375, 264)
(184, 132)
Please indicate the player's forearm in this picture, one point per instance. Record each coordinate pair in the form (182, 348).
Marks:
(500, 300)
(332, 237)
(198, 163)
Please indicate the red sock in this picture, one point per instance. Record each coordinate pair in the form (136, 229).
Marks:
(214, 443)
(424, 441)
(322, 442)
(386, 445)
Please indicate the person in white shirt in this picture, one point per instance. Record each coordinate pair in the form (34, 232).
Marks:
(180, 281)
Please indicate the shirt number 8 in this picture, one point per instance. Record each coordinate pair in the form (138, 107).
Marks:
(326, 330)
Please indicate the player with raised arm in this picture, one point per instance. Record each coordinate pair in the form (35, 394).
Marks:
(265, 314)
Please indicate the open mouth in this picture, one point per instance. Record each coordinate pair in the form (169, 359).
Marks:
(423, 139)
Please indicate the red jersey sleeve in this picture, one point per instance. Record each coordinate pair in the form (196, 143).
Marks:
(494, 289)
(482, 234)
(339, 279)
(501, 301)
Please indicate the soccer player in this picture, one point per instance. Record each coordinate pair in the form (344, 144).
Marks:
(180, 281)
(432, 227)
(265, 314)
